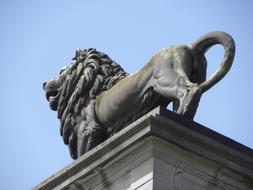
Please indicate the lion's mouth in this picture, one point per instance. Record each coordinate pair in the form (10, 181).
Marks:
(51, 94)
(52, 97)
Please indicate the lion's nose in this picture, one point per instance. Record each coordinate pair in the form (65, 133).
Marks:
(44, 84)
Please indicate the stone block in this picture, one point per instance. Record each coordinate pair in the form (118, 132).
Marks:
(160, 151)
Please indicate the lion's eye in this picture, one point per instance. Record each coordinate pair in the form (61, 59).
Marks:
(63, 69)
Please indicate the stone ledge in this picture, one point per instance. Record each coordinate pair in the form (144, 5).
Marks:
(144, 145)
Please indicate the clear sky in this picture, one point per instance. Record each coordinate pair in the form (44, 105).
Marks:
(37, 38)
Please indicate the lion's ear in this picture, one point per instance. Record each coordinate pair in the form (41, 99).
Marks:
(78, 52)
(63, 69)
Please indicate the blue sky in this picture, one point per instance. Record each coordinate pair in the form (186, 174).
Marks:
(39, 37)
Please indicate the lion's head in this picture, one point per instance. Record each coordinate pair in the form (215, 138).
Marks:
(53, 89)
(89, 73)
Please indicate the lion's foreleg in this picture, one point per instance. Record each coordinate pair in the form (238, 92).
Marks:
(89, 136)
(90, 133)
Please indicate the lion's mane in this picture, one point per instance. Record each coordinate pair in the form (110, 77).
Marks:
(90, 73)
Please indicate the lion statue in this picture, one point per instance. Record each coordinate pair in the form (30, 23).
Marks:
(94, 97)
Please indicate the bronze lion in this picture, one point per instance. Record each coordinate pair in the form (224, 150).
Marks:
(95, 97)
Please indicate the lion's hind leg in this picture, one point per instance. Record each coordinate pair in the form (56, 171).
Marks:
(187, 105)
(184, 94)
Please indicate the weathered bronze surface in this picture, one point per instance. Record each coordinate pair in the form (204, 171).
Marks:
(95, 97)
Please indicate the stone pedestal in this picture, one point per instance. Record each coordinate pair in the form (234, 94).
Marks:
(160, 151)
